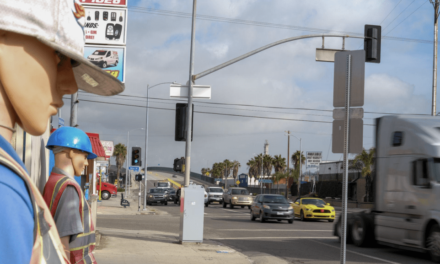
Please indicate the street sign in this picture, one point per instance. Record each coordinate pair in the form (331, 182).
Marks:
(60, 122)
(313, 159)
(355, 137)
(134, 168)
(326, 55)
(237, 182)
(199, 91)
(357, 74)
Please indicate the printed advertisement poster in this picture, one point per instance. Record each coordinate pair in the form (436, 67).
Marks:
(313, 159)
(108, 148)
(105, 25)
(122, 3)
(109, 58)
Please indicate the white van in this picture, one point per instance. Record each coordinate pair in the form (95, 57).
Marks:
(103, 58)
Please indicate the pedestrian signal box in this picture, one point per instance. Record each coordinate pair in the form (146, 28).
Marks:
(136, 156)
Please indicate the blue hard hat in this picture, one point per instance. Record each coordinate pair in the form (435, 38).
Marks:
(71, 137)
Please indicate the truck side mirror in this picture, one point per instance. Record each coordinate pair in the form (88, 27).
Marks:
(328, 204)
(296, 203)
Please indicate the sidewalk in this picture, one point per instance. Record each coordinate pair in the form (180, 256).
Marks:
(121, 246)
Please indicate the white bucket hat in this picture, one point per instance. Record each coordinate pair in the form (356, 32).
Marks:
(60, 25)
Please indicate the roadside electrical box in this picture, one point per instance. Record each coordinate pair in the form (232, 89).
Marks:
(192, 213)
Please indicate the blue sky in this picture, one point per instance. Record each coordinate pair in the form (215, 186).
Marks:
(284, 76)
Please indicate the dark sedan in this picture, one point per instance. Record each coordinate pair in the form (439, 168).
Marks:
(271, 206)
(171, 194)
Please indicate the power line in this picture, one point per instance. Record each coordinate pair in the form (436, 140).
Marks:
(222, 114)
(406, 18)
(390, 12)
(139, 9)
(258, 106)
(399, 14)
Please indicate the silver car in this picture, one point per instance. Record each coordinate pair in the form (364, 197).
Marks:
(271, 206)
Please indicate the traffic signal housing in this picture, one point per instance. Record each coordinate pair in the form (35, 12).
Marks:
(180, 129)
(372, 43)
(136, 159)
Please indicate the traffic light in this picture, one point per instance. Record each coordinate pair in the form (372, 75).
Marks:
(136, 156)
(180, 129)
(372, 42)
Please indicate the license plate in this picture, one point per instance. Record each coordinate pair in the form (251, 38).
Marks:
(280, 213)
(241, 199)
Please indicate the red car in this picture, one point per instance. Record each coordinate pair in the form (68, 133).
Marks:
(107, 190)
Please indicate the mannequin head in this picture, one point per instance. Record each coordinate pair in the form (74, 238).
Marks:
(33, 80)
(72, 161)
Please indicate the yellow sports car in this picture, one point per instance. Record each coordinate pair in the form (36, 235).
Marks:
(313, 208)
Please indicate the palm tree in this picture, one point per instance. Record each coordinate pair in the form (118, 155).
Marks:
(365, 162)
(278, 176)
(252, 168)
(235, 166)
(279, 164)
(217, 170)
(120, 153)
(295, 159)
(227, 168)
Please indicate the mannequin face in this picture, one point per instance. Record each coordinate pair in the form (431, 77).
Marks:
(34, 79)
(79, 161)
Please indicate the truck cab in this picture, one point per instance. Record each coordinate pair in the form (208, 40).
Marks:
(406, 212)
(107, 189)
(162, 184)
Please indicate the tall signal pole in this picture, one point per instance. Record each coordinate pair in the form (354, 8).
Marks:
(435, 3)
(288, 159)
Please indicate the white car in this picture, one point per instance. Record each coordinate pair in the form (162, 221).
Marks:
(215, 194)
(206, 199)
(103, 58)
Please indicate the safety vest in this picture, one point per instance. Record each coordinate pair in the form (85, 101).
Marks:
(47, 248)
(82, 247)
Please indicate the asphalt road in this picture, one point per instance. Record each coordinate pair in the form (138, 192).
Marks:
(300, 242)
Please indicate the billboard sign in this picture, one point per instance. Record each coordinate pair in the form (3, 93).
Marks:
(108, 148)
(109, 58)
(313, 159)
(105, 25)
(118, 3)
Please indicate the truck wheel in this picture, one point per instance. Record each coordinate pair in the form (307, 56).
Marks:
(206, 204)
(220, 202)
(104, 64)
(361, 232)
(338, 231)
(105, 195)
(433, 243)
(116, 63)
(242, 206)
(165, 203)
(249, 207)
(224, 204)
(231, 206)
(175, 201)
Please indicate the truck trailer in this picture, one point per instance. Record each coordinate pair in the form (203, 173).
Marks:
(406, 211)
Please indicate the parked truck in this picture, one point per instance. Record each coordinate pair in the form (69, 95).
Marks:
(406, 188)
(162, 184)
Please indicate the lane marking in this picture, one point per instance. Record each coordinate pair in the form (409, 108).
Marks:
(354, 252)
(276, 238)
(229, 210)
(279, 230)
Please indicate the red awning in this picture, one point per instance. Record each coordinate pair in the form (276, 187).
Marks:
(97, 147)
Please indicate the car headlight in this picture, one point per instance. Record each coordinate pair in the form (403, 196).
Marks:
(308, 209)
(333, 210)
(150, 196)
(290, 208)
(266, 206)
(234, 198)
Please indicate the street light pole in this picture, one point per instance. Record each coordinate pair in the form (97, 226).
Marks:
(190, 95)
(300, 154)
(146, 141)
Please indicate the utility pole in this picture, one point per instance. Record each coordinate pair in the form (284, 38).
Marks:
(59, 116)
(288, 159)
(435, 3)
(74, 109)
(190, 95)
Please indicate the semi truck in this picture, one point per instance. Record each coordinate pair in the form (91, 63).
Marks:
(406, 188)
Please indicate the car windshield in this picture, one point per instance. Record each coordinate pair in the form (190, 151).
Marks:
(318, 202)
(99, 52)
(215, 190)
(157, 191)
(274, 199)
(240, 191)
